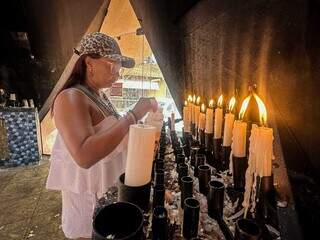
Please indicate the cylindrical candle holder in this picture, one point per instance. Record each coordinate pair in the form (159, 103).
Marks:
(266, 195)
(247, 229)
(190, 218)
(240, 165)
(202, 137)
(217, 144)
(186, 189)
(159, 224)
(215, 199)
(204, 178)
(159, 164)
(139, 195)
(158, 196)
(209, 158)
(194, 151)
(208, 138)
(159, 177)
(193, 129)
(186, 145)
(177, 151)
(225, 158)
(182, 171)
(200, 160)
(130, 227)
(180, 158)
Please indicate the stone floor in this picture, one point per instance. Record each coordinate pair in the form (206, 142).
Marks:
(27, 209)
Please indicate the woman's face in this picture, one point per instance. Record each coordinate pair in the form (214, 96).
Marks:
(103, 72)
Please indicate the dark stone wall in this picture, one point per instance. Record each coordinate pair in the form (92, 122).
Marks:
(229, 45)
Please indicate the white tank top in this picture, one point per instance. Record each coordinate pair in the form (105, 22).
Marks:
(65, 174)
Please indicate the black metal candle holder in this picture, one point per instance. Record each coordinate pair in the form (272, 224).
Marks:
(138, 195)
(182, 171)
(208, 138)
(225, 158)
(200, 160)
(204, 178)
(130, 227)
(217, 145)
(159, 223)
(247, 229)
(194, 151)
(202, 138)
(266, 198)
(159, 177)
(158, 196)
(240, 165)
(186, 189)
(181, 158)
(193, 129)
(215, 199)
(190, 218)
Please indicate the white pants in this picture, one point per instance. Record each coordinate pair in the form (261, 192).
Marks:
(77, 212)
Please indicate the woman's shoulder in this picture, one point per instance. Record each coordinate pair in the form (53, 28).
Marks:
(70, 97)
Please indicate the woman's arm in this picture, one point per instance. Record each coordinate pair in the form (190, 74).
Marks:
(73, 120)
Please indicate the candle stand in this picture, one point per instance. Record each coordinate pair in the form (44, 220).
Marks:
(217, 145)
(225, 158)
(240, 165)
(139, 195)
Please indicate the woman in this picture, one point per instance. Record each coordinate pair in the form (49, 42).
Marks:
(89, 151)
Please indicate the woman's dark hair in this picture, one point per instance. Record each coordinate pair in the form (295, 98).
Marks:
(77, 76)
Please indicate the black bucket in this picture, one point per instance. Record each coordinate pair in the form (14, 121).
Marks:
(118, 221)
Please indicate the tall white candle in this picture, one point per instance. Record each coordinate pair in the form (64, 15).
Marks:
(251, 169)
(239, 139)
(140, 154)
(209, 118)
(186, 117)
(218, 116)
(264, 151)
(193, 109)
(173, 122)
(197, 112)
(202, 118)
(228, 127)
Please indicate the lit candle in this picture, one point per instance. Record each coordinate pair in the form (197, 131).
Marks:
(197, 112)
(140, 154)
(228, 124)
(239, 132)
(264, 143)
(209, 118)
(202, 117)
(186, 117)
(193, 108)
(218, 117)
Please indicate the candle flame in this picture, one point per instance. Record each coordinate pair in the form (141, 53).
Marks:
(198, 100)
(220, 101)
(244, 106)
(203, 108)
(185, 103)
(194, 98)
(232, 103)
(262, 109)
(189, 98)
(211, 103)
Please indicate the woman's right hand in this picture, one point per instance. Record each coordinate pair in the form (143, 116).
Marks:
(143, 106)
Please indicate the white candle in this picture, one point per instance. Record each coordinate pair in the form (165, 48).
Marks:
(239, 139)
(186, 118)
(228, 127)
(196, 115)
(218, 116)
(202, 121)
(209, 119)
(140, 154)
(193, 109)
(264, 151)
(173, 123)
(251, 169)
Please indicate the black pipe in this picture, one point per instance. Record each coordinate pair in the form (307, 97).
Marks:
(182, 171)
(200, 160)
(158, 196)
(159, 224)
(225, 158)
(240, 165)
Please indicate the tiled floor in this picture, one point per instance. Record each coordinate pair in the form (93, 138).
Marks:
(27, 209)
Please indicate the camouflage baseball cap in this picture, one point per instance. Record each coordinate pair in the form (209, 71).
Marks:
(105, 46)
